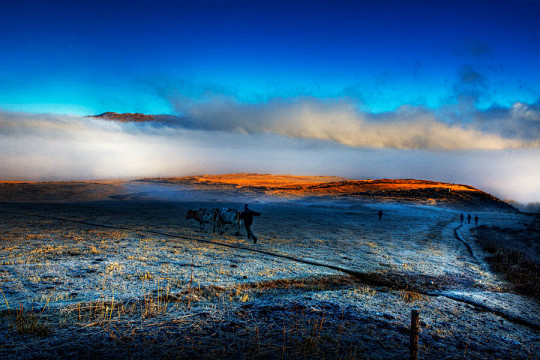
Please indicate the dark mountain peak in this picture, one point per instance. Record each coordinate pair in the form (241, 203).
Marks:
(133, 117)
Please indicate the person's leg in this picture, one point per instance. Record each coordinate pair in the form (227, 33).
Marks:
(251, 235)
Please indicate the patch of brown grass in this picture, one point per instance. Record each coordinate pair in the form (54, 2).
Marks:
(26, 322)
(514, 254)
(411, 296)
(318, 283)
(30, 323)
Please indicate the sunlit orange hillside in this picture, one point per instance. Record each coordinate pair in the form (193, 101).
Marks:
(320, 185)
(283, 186)
(267, 180)
(420, 191)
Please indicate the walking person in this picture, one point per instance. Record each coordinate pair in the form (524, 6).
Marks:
(380, 215)
(461, 217)
(247, 216)
(469, 218)
(476, 220)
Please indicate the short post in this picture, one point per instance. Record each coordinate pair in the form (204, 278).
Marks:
(415, 317)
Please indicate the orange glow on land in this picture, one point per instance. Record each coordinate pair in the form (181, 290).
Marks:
(16, 182)
(280, 186)
(267, 180)
(315, 185)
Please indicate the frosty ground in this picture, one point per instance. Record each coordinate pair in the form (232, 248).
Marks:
(130, 279)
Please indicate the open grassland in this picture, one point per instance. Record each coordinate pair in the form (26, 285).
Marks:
(132, 279)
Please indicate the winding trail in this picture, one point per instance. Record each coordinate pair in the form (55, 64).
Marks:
(364, 278)
(467, 245)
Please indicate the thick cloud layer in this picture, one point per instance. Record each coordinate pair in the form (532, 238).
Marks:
(340, 121)
(48, 147)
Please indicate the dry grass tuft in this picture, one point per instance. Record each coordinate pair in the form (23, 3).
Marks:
(412, 296)
(26, 322)
(145, 276)
(318, 283)
(94, 250)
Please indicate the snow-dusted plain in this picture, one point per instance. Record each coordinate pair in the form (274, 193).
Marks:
(129, 279)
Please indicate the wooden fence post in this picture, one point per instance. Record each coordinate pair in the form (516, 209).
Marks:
(415, 317)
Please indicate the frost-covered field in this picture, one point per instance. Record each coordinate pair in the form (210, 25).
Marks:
(74, 289)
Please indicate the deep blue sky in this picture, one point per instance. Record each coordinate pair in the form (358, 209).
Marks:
(89, 57)
(438, 90)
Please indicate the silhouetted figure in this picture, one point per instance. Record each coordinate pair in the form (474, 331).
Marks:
(461, 217)
(476, 220)
(469, 218)
(247, 215)
(380, 215)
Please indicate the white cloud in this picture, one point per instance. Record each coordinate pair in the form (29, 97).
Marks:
(399, 145)
(340, 121)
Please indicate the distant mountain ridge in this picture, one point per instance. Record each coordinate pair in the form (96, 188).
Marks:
(133, 117)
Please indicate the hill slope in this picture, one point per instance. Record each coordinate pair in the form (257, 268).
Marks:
(252, 186)
(410, 190)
